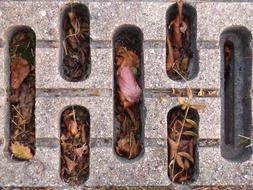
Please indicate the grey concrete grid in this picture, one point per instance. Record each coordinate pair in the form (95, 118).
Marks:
(54, 93)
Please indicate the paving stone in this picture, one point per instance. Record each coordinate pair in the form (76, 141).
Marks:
(215, 170)
(48, 112)
(148, 16)
(49, 77)
(226, 14)
(158, 108)
(149, 170)
(156, 76)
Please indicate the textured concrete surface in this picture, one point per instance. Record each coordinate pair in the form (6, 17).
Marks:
(95, 93)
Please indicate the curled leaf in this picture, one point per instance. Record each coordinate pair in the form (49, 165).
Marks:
(186, 155)
(128, 84)
(190, 133)
(192, 123)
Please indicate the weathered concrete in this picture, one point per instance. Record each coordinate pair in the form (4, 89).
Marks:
(95, 93)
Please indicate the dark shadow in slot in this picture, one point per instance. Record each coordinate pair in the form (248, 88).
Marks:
(236, 65)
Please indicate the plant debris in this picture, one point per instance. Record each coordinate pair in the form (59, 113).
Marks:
(178, 45)
(76, 44)
(22, 94)
(128, 93)
(75, 134)
(182, 139)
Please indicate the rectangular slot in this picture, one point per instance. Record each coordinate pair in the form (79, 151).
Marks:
(236, 101)
(75, 43)
(75, 148)
(128, 96)
(22, 92)
(181, 48)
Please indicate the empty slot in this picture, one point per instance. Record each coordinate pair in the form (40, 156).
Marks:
(128, 96)
(181, 50)
(21, 92)
(236, 102)
(75, 43)
(75, 138)
(182, 144)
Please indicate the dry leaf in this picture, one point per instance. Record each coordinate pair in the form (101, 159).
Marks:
(21, 151)
(128, 84)
(190, 133)
(191, 122)
(198, 106)
(70, 164)
(170, 58)
(19, 71)
(71, 126)
(186, 155)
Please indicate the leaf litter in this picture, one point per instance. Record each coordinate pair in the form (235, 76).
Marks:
(75, 133)
(128, 96)
(182, 138)
(178, 44)
(22, 95)
(76, 44)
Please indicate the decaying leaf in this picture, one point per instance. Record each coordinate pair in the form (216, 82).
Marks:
(127, 99)
(21, 151)
(70, 164)
(178, 45)
(19, 71)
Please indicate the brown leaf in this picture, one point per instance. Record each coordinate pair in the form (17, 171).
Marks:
(127, 58)
(180, 9)
(21, 151)
(70, 164)
(180, 161)
(71, 126)
(177, 35)
(198, 106)
(186, 155)
(192, 123)
(19, 71)
(173, 146)
(170, 57)
(79, 151)
(190, 133)
(26, 101)
(73, 20)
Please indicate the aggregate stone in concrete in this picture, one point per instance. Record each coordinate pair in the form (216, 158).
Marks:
(106, 17)
(41, 170)
(48, 113)
(215, 170)
(214, 17)
(158, 108)
(48, 70)
(149, 170)
(156, 76)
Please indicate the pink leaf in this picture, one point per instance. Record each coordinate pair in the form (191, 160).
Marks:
(128, 85)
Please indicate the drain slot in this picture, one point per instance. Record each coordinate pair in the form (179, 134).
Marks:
(128, 96)
(236, 102)
(21, 92)
(182, 144)
(74, 140)
(75, 43)
(181, 48)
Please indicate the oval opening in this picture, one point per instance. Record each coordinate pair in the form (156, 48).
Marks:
(181, 47)
(21, 92)
(128, 128)
(182, 145)
(236, 64)
(75, 43)
(75, 148)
